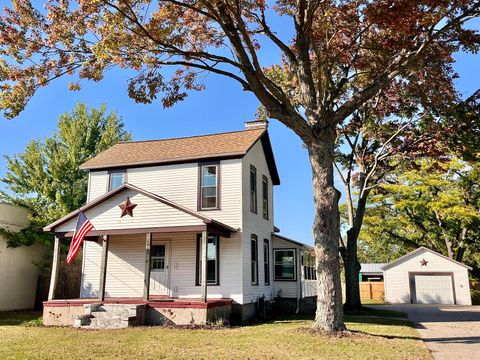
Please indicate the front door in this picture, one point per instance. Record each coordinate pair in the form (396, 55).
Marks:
(159, 269)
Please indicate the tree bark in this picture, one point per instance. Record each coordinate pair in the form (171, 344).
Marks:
(352, 273)
(326, 230)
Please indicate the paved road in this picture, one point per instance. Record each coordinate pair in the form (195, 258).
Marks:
(450, 332)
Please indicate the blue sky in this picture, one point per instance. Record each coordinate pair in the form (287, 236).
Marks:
(223, 106)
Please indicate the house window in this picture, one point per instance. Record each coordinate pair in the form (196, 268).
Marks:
(157, 259)
(265, 197)
(253, 189)
(254, 259)
(213, 252)
(117, 178)
(209, 194)
(308, 263)
(284, 264)
(266, 261)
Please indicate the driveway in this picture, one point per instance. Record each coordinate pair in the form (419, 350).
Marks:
(450, 332)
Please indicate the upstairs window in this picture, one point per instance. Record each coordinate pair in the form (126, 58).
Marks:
(117, 178)
(284, 264)
(209, 187)
(254, 259)
(265, 197)
(253, 189)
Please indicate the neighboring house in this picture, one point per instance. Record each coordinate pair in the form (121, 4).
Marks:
(426, 277)
(371, 272)
(18, 273)
(157, 205)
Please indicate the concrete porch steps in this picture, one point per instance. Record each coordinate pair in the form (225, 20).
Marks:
(111, 316)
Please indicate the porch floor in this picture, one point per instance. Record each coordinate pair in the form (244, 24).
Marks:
(153, 301)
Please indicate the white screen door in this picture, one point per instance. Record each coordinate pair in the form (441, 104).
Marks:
(159, 269)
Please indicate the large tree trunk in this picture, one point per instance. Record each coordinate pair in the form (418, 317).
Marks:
(326, 231)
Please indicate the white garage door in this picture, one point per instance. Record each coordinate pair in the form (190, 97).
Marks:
(433, 289)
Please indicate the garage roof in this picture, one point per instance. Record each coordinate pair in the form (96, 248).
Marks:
(417, 251)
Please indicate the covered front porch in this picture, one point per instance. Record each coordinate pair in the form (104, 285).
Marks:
(162, 271)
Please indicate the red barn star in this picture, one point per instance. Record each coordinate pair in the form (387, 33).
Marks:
(423, 262)
(127, 208)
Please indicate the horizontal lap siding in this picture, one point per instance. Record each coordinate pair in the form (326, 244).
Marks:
(309, 288)
(397, 288)
(179, 183)
(256, 224)
(183, 263)
(126, 259)
(147, 213)
(125, 267)
(98, 184)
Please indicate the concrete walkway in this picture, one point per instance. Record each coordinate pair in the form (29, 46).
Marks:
(450, 332)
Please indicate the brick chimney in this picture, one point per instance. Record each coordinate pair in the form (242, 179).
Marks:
(255, 124)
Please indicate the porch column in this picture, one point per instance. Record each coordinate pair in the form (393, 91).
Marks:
(103, 268)
(55, 267)
(146, 281)
(204, 266)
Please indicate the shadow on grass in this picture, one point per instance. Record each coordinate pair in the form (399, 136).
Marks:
(366, 311)
(23, 318)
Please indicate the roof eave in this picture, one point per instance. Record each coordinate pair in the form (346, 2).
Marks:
(85, 166)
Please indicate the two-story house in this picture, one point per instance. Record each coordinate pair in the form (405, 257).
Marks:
(183, 233)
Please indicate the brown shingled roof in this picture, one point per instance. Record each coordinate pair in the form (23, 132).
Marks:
(136, 153)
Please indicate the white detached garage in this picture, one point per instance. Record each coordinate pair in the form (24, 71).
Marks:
(426, 277)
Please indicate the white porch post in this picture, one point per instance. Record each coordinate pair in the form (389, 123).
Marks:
(103, 268)
(55, 267)
(146, 281)
(204, 265)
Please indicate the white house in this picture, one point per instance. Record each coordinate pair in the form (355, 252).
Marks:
(426, 277)
(18, 273)
(184, 228)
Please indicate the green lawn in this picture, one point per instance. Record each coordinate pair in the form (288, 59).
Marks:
(371, 338)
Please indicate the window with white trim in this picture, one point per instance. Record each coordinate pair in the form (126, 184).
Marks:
(209, 194)
(265, 197)
(266, 261)
(284, 268)
(308, 263)
(254, 259)
(213, 252)
(117, 178)
(253, 189)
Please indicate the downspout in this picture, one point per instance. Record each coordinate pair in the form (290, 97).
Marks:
(299, 277)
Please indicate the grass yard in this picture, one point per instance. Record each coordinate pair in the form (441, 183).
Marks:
(371, 338)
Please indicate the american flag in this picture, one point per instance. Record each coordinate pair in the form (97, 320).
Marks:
(84, 226)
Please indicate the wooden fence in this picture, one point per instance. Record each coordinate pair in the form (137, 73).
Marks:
(372, 290)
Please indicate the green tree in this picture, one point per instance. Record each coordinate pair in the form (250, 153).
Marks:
(46, 179)
(436, 204)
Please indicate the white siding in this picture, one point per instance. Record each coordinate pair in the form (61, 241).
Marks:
(147, 213)
(397, 286)
(256, 224)
(179, 183)
(97, 184)
(126, 261)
